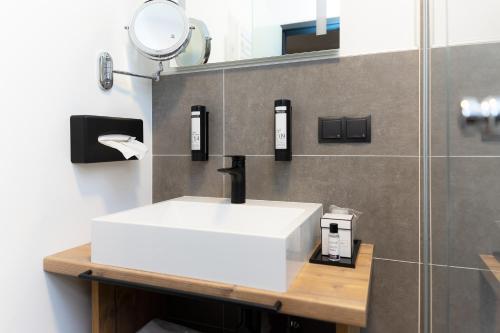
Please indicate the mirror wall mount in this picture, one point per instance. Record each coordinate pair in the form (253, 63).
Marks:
(106, 72)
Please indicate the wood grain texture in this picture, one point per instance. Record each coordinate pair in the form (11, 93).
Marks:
(124, 310)
(326, 293)
(492, 277)
(103, 308)
(340, 328)
(135, 308)
(492, 264)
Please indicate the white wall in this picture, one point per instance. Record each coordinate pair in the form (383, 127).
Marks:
(368, 26)
(47, 73)
(458, 22)
(215, 17)
(227, 21)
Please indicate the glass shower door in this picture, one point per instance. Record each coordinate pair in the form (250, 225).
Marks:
(464, 226)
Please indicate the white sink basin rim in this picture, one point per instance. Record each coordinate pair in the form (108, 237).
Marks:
(259, 244)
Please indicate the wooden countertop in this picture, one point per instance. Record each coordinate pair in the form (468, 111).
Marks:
(327, 293)
(492, 274)
(493, 265)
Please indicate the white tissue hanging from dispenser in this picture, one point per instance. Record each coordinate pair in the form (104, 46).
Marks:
(126, 144)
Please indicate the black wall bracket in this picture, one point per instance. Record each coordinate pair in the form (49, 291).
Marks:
(85, 131)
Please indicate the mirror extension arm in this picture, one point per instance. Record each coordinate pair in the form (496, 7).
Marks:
(106, 72)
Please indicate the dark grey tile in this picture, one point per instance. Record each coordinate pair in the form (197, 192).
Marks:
(383, 85)
(393, 306)
(232, 317)
(464, 301)
(272, 322)
(134, 307)
(439, 188)
(458, 72)
(194, 311)
(439, 102)
(466, 214)
(439, 299)
(173, 97)
(385, 189)
(175, 176)
(309, 325)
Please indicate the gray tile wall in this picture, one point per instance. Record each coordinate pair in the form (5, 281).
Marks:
(464, 166)
(465, 300)
(465, 187)
(380, 179)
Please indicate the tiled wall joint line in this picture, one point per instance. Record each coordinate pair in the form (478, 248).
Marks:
(436, 265)
(397, 260)
(223, 129)
(264, 155)
(363, 155)
(183, 155)
(466, 156)
(462, 267)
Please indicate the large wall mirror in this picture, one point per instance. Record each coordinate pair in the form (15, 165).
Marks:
(239, 30)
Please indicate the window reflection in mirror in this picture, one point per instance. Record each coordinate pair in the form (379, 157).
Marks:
(251, 29)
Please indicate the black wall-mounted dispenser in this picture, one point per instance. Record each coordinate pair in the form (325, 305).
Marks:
(85, 131)
(199, 133)
(283, 130)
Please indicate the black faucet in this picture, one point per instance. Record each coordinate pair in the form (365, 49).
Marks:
(237, 172)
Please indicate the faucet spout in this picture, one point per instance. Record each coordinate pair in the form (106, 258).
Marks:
(238, 181)
(229, 171)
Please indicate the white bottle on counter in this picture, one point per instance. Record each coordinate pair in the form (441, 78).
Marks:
(334, 243)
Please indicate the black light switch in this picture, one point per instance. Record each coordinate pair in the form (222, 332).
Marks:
(341, 130)
(358, 129)
(330, 129)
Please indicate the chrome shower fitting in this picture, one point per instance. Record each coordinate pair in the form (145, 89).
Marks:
(481, 116)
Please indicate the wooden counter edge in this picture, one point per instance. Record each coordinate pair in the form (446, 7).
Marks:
(492, 272)
(65, 263)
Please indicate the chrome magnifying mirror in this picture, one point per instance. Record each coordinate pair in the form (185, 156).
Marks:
(159, 30)
(199, 48)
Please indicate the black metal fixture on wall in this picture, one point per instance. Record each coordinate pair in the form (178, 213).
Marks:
(85, 132)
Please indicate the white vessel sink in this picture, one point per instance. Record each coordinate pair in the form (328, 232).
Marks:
(260, 244)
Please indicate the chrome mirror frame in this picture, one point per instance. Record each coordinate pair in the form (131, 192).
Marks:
(164, 54)
(200, 28)
(106, 70)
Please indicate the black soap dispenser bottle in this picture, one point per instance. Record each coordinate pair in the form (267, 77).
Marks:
(199, 133)
(282, 130)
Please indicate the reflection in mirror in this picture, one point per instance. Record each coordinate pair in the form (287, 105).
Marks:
(251, 29)
(302, 37)
(198, 50)
(160, 29)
